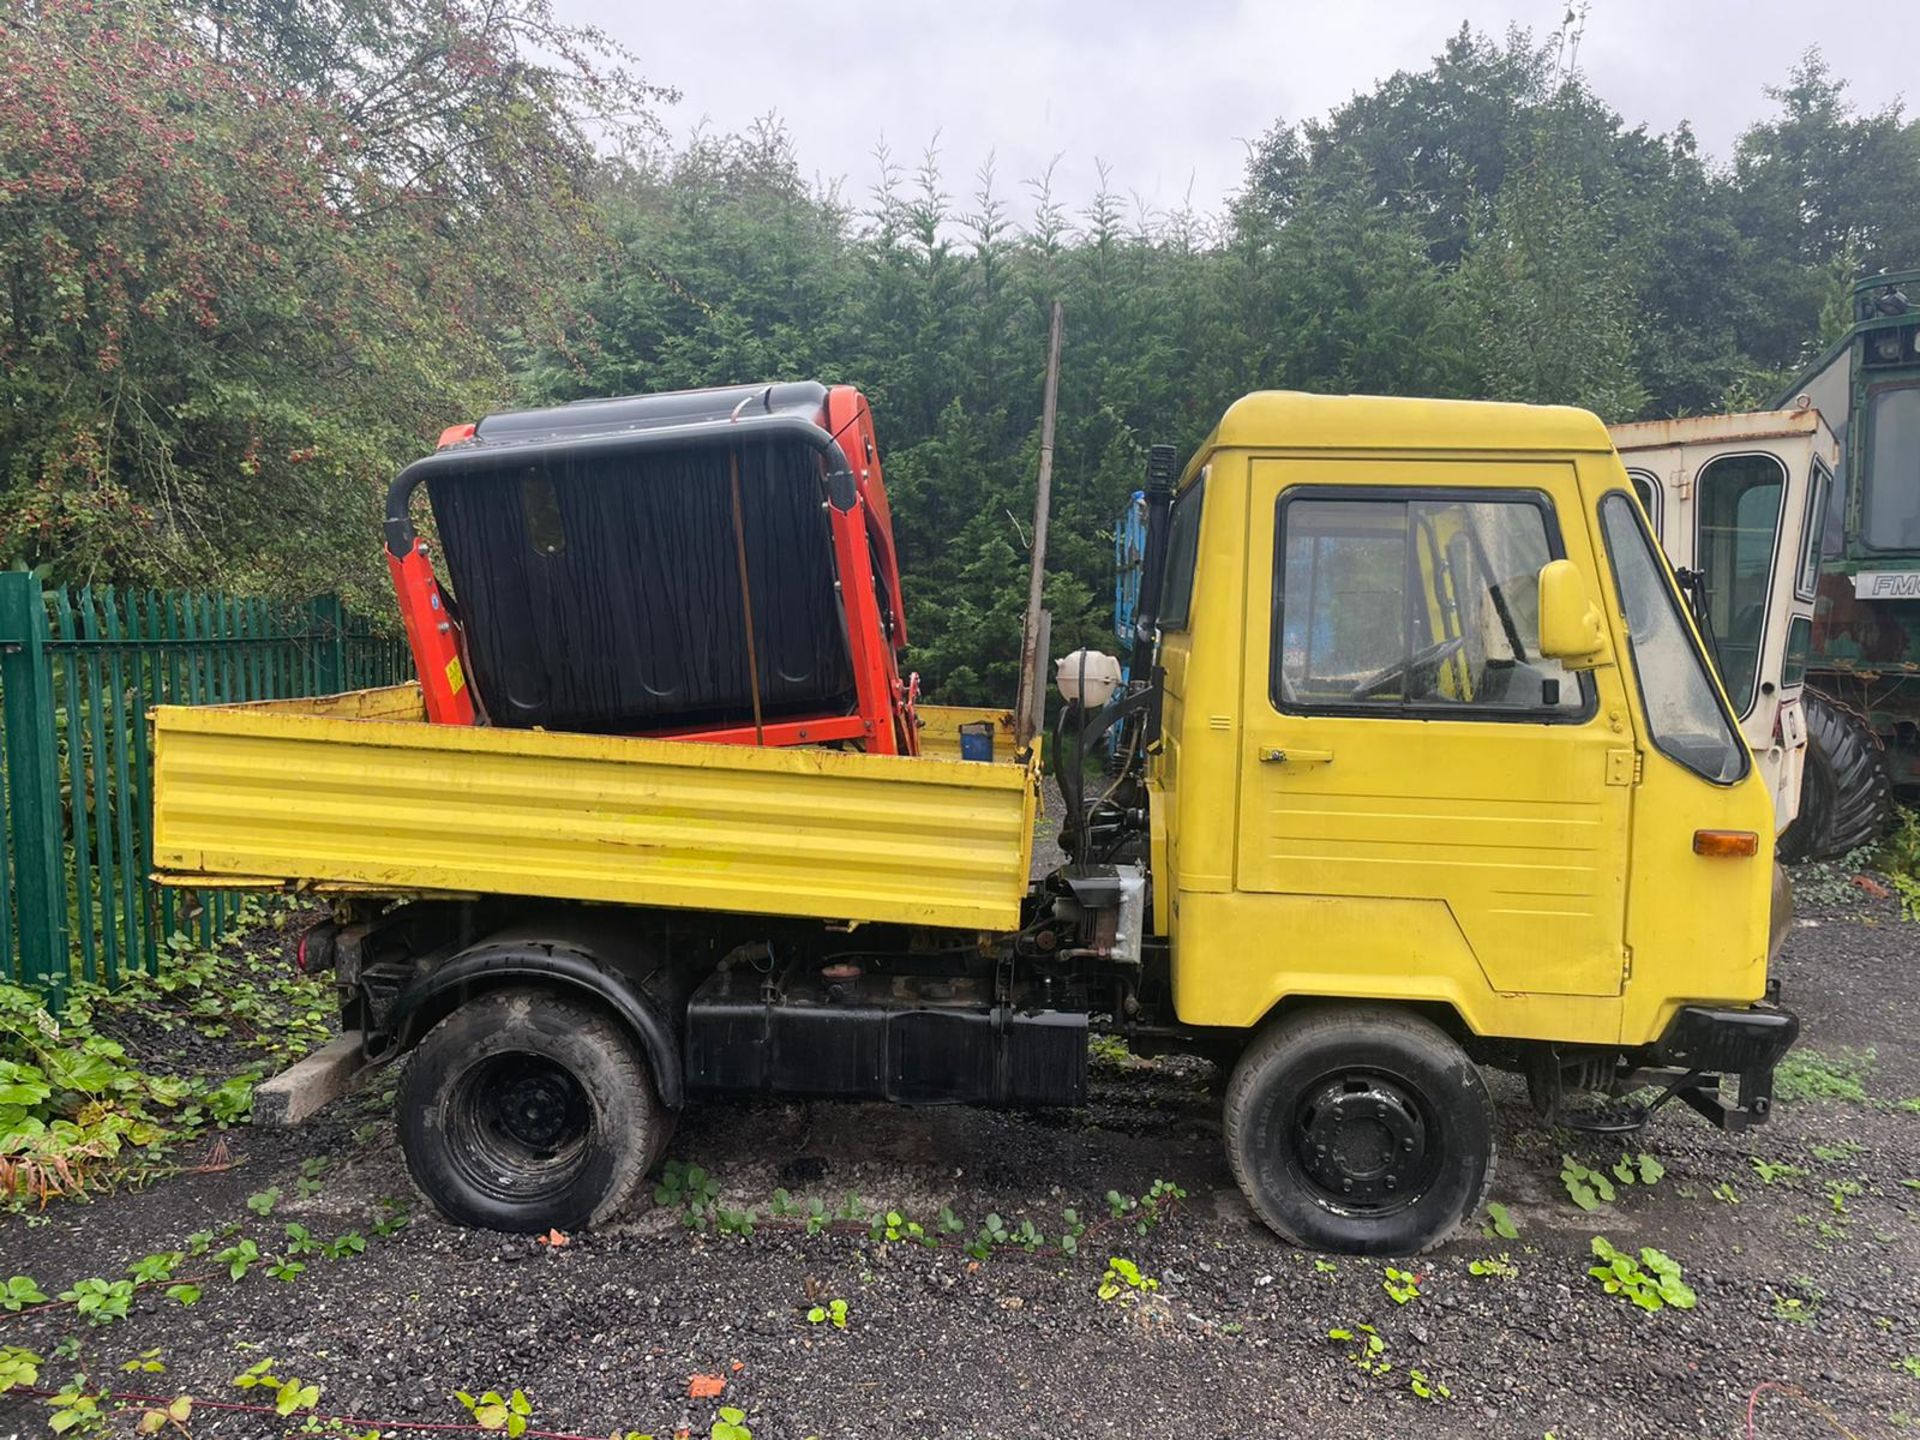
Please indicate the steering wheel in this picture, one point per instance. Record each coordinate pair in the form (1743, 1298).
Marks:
(1434, 654)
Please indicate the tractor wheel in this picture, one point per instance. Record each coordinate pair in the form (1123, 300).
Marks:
(1846, 793)
(1359, 1129)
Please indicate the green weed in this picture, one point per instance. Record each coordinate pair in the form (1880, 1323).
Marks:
(1805, 1075)
(1652, 1280)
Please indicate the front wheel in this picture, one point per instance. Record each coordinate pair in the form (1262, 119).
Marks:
(1359, 1129)
(526, 1111)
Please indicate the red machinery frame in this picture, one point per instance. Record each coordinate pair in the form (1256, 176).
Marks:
(865, 560)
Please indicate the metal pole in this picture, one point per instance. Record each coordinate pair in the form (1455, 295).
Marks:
(746, 597)
(1031, 699)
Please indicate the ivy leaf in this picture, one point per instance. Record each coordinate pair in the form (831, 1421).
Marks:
(20, 1292)
(18, 1367)
(1677, 1293)
(88, 1073)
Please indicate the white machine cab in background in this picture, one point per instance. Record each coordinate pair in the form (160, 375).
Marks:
(1740, 500)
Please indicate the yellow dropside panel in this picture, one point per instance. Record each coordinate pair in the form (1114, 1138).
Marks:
(940, 730)
(290, 791)
(393, 702)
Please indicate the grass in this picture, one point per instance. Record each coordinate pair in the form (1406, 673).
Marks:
(1806, 1074)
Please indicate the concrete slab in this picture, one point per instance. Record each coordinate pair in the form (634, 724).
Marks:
(304, 1087)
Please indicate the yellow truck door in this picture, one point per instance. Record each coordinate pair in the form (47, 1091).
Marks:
(1421, 793)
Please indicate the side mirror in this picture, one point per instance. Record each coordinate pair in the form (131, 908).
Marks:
(1572, 629)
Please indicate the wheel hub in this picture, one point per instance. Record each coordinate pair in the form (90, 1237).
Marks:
(534, 1109)
(518, 1126)
(1362, 1141)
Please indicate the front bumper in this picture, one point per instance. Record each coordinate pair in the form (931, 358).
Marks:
(1706, 1044)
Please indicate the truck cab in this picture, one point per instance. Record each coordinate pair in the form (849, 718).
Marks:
(1480, 770)
(1435, 800)
(1740, 501)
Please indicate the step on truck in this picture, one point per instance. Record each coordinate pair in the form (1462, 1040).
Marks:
(1427, 774)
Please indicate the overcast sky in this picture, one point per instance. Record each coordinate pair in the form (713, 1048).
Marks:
(1167, 92)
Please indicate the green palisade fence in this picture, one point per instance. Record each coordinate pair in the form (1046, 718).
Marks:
(78, 672)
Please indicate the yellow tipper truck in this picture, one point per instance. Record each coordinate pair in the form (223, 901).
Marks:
(1424, 770)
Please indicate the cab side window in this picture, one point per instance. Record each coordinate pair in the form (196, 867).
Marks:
(1416, 603)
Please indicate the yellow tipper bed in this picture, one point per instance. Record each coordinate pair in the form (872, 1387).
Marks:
(356, 792)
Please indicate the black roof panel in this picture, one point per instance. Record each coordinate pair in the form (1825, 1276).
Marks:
(801, 399)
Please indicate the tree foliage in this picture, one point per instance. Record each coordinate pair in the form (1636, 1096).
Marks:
(251, 261)
(257, 252)
(1484, 227)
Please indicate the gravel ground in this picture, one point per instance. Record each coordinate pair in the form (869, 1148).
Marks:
(605, 1333)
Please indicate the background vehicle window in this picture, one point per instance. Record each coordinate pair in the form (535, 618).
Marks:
(1793, 670)
(1687, 721)
(1426, 606)
(1833, 528)
(1890, 509)
(1183, 555)
(1648, 489)
(1813, 542)
(1740, 499)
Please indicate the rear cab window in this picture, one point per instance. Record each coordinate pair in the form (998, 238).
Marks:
(1416, 603)
(1183, 555)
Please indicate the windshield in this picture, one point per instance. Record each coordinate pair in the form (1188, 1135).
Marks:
(1686, 720)
(1890, 506)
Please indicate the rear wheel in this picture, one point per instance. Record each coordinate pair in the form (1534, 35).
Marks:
(1846, 790)
(525, 1111)
(1359, 1129)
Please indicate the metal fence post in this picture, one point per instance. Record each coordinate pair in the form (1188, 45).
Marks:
(327, 625)
(26, 682)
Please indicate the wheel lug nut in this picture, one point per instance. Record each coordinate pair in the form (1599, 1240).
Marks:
(1347, 1186)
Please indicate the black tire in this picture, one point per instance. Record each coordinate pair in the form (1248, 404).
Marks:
(1846, 790)
(526, 1111)
(1363, 1130)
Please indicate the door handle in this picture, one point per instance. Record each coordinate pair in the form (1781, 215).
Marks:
(1291, 756)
